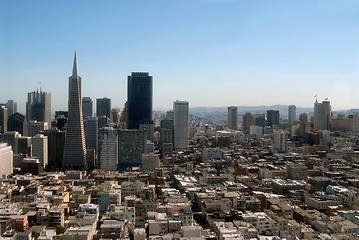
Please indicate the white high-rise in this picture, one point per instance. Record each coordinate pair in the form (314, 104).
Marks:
(292, 113)
(6, 160)
(39, 148)
(180, 125)
(322, 115)
(108, 148)
(280, 141)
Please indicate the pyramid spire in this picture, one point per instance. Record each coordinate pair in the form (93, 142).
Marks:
(75, 71)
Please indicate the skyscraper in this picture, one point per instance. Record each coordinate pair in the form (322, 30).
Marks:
(291, 113)
(233, 117)
(180, 125)
(17, 122)
(322, 115)
(39, 148)
(108, 148)
(272, 117)
(11, 106)
(38, 106)
(139, 99)
(91, 133)
(6, 160)
(3, 119)
(131, 146)
(103, 107)
(75, 149)
(87, 107)
(247, 121)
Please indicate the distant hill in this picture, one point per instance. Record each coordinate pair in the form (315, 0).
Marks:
(283, 109)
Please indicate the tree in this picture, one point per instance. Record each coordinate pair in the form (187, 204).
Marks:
(60, 229)
(34, 234)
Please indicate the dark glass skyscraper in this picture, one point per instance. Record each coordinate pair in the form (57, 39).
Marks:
(103, 107)
(139, 99)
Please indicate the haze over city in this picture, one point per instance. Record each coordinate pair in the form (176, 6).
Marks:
(210, 53)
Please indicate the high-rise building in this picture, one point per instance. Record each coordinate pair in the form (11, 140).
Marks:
(131, 146)
(180, 125)
(272, 117)
(20, 146)
(6, 158)
(148, 127)
(17, 122)
(139, 99)
(75, 149)
(87, 107)
(108, 148)
(103, 107)
(322, 115)
(91, 133)
(11, 106)
(116, 116)
(39, 148)
(233, 117)
(292, 113)
(3, 119)
(35, 127)
(166, 137)
(38, 106)
(55, 143)
(280, 141)
(247, 122)
(259, 120)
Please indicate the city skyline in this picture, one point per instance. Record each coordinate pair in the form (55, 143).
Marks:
(232, 53)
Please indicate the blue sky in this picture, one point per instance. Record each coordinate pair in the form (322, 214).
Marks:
(208, 52)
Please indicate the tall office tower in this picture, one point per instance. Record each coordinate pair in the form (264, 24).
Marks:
(75, 149)
(292, 113)
(139, 99)
(180, 125)
(124, 117)
(91, 133)
(38, 106)
(233, 118)
(108, 148)
(272, 117)
(131, 146)
(116, 116)
(3, 119)
(103, 107)
(103, 121)
(247, 122)
(17, 122)
(166, 137)
(260, 120)
(20, 146)
(322, 115)
(280, 141)
(35, 127)
(61, 122)
(6, 158)
(169, 114)
(304, 126)
(87, 107)
(55, 143)
(11, 106)
(149, 129)
(39, 148)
